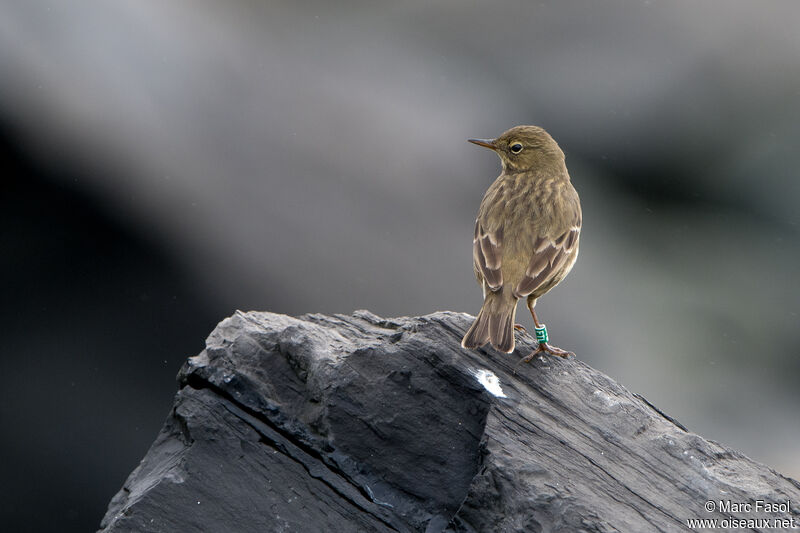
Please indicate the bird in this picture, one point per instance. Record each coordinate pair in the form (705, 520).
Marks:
(526, 236)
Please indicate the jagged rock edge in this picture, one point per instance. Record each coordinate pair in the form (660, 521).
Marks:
(285, 443)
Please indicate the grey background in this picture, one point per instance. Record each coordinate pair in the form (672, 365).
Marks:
(168, 163)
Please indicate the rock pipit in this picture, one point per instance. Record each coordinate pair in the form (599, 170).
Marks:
(526, 236)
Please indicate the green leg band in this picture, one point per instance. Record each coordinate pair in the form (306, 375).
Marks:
(541, 334)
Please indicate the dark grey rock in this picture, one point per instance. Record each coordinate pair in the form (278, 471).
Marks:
(359, 423)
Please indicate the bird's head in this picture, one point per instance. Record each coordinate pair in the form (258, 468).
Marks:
(524, 148)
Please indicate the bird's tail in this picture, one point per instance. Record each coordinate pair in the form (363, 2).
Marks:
(495, 323)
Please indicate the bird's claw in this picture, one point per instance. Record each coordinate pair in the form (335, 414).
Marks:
(545, 348)
(553, 350)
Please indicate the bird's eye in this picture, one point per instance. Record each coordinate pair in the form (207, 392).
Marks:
(516, 148)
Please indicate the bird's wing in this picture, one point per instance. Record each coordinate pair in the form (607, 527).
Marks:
(549, 256)
(487, 254)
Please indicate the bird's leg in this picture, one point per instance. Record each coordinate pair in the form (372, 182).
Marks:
(541, 336)
(520, 327)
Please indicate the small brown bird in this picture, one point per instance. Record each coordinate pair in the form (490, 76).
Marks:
(526, 236)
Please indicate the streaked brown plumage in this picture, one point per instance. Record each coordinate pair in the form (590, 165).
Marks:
(526, 234)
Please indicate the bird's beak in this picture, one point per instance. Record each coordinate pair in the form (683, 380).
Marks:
(486, 143)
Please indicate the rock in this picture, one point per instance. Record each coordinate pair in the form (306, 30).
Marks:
(359, 423)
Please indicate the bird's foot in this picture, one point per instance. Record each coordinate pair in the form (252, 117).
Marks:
(546, 348)
(520, 327)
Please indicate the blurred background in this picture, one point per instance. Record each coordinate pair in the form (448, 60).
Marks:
(166, 163)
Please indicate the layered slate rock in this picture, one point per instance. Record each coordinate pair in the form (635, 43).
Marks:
(359, 423)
